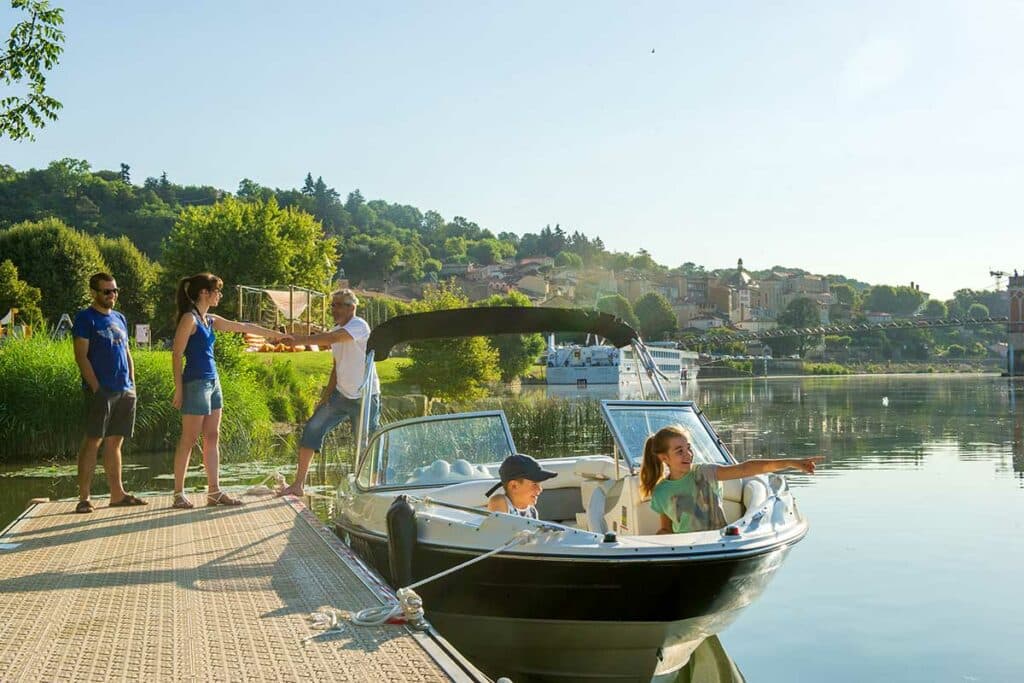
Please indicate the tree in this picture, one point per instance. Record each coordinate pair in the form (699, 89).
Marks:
(15, 293)
(450, 369)
(977, 311)
(843, 294)
(800, 313)
(33, 48)
(56, 259)
(455, 248)
(247, 243)
(835, 342)
(368, 256)
(516, 352)
(250, 190)
(135, 274)
(567, 259)
(308, 186)
(657, 319)
(900, 301)
(485, 252)
(431, 266)
(618, 306)
(935, 309)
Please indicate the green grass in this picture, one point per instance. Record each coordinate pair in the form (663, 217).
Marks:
(316, 367)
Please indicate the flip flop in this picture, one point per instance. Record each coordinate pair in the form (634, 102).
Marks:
(127, 501)
(84, 506)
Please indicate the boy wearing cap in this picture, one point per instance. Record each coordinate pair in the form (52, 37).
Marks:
(340, 397)
(520, 476)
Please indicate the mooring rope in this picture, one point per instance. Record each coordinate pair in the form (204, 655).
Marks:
(409, 608)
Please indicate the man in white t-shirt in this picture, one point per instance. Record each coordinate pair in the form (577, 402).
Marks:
(340, 397)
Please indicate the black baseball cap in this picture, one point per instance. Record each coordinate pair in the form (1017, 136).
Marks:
(520, 466)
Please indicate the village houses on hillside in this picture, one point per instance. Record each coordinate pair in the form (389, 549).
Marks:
(701, 301)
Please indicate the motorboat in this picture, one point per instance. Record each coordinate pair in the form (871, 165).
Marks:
(588, 590)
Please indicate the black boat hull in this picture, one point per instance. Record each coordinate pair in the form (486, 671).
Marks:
(568, 617)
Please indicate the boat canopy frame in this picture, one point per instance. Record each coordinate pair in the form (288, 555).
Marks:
(488, 321)
(494, 320)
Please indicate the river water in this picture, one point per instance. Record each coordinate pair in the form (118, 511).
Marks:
(912, 568)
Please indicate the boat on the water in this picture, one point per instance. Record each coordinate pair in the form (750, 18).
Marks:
(589, 590)
(584, 365)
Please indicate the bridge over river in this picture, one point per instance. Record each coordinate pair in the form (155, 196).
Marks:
(853, 328)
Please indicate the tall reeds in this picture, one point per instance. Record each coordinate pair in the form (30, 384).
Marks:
(42, 404)
(549, 427)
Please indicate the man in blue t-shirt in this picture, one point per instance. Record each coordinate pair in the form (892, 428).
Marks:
(108, 380)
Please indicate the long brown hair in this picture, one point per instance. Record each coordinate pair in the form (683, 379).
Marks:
(653, 469)
(189, 288)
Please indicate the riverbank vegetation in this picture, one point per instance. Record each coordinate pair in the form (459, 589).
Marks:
(60, 224)
(40, 391)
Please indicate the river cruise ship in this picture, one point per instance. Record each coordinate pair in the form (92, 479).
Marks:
(601, 364)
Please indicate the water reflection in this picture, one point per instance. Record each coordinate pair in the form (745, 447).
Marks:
(684, 391)
(911, 570)
(710, 663)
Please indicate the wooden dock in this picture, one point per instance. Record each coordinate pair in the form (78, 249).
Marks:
(211, 594)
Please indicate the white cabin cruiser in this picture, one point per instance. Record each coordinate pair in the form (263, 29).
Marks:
(584, 365)
(587, 591)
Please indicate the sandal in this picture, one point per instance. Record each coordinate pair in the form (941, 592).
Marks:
(84, 506)
(221, 498)
(128, 501)
(181, 502)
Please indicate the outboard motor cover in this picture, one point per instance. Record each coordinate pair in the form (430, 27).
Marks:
(401, 522)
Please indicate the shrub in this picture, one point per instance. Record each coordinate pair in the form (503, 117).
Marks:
(825, 369)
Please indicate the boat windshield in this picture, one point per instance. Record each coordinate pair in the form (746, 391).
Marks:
(436, 451)
(631, 422)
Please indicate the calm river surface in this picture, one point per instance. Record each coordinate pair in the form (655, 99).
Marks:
(912, 568)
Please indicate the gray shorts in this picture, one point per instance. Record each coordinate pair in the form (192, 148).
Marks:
(109, 413)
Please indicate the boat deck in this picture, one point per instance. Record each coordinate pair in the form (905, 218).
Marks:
(210, 594)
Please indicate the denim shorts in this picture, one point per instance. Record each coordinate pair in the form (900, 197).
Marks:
(109, 413)
(201, 397)
(333, 413)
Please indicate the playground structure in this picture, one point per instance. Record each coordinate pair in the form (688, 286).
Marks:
(10, 327)
(296, 310)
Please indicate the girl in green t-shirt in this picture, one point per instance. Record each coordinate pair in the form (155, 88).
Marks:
(689, 498)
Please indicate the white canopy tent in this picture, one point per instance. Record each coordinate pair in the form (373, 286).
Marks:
(275, 307)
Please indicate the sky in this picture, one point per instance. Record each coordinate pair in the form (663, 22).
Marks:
(877, 140)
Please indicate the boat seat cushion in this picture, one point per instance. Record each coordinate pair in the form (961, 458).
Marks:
(600, 467)
(441, 471)
(738, 495)
(554, 504)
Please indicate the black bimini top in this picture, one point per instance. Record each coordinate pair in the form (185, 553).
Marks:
(487, 321)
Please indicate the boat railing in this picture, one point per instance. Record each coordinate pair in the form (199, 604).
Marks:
(643, 355)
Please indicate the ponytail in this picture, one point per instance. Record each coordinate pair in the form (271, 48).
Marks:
(189, 288)
(652, 470)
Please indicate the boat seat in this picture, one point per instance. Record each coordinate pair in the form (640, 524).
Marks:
(738, 495)
(441, 471)
(560, 502)
(599, 467)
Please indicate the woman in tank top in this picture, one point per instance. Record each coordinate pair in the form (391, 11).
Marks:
(197, 392)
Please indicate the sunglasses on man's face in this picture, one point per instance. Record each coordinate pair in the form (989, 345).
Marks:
(108, 292)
